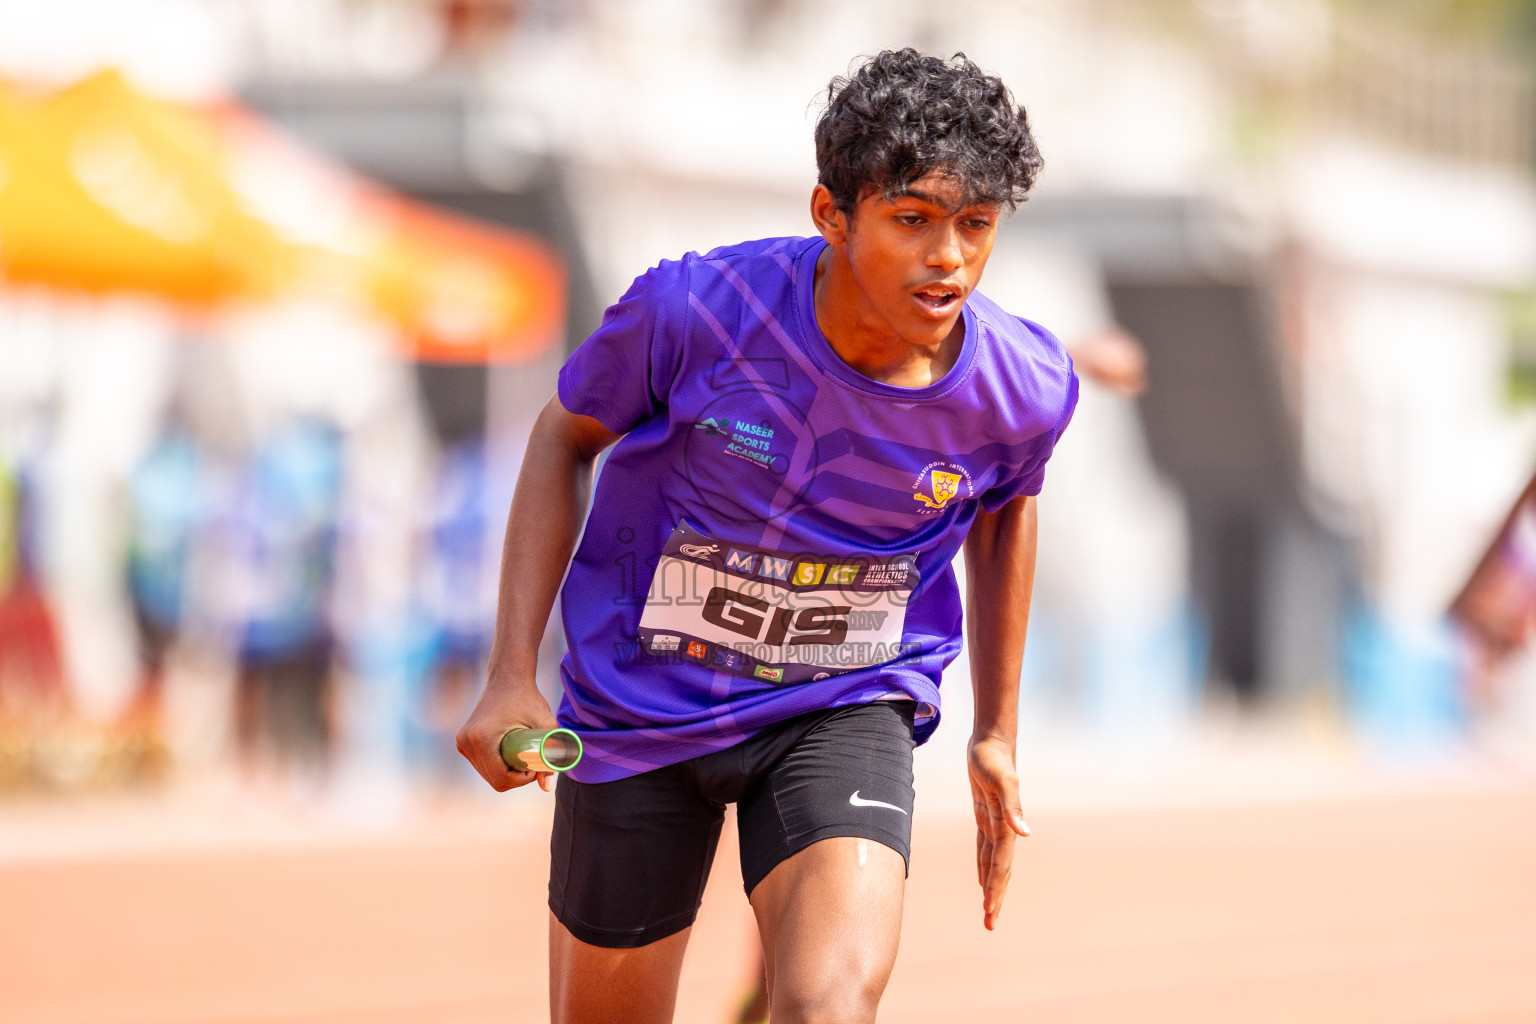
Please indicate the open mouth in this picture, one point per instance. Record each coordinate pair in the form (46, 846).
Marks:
(938, 298)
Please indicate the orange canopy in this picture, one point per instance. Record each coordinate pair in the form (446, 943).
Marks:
(470, 293)
(104, 190)
(109, 191)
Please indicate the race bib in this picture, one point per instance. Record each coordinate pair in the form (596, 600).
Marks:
(772, 616)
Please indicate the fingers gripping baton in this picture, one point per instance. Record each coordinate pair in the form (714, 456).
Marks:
(541, 750)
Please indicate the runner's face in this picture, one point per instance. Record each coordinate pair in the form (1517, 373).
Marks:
(917, 257)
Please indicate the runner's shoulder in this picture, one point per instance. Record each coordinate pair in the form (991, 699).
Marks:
(1020, 338)
(775, 250)
(1031, 364)
(671, 281)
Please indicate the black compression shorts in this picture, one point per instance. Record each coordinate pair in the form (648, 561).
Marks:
(629, 858)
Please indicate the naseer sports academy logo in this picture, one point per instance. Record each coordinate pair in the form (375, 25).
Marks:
(942, 481)
(747, 414)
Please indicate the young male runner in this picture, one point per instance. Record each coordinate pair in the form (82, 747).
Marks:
(807, 432)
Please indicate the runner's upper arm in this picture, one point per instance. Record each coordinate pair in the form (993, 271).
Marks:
(585, 434)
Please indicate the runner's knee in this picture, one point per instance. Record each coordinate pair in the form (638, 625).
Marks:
(841, 1000)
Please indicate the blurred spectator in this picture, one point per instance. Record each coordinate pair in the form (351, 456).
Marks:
(32, 693)
(31, 671)
(1113, 358)
(168, 506)
(282, 536)
(457, 599)
(1497, 607)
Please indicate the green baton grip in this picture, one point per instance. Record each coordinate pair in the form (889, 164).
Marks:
(541, 750)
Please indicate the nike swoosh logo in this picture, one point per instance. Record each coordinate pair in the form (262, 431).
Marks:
(859, 801)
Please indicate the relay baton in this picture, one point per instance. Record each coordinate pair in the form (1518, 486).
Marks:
(541, 750)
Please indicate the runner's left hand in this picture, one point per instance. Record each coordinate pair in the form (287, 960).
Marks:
(999, 820)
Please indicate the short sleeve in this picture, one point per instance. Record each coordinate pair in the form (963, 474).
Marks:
(1031, 475)
(623, 373)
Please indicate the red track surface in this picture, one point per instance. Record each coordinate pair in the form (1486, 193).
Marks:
(1387, 909)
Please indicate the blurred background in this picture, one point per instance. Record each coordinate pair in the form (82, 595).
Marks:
(283, 284)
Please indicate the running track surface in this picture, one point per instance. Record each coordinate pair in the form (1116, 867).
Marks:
(1411, 907)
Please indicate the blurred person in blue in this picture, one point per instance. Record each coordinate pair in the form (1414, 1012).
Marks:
(169, 506)
(456, 601)
(805, 433)
(282, 532)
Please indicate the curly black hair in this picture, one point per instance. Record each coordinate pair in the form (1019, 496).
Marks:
(902, 115)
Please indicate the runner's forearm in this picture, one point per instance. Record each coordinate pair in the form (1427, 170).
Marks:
(542, 527)
(1000, 574)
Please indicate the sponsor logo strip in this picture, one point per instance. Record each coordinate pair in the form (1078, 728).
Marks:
(803, 572)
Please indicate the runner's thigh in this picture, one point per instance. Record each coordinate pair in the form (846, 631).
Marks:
(849, 775)
(629, 858)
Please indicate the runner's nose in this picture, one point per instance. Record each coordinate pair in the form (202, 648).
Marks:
(946, 253)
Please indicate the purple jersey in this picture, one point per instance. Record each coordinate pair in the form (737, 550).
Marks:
(773, 534)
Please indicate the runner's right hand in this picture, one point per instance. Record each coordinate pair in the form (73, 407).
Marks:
(499, 710)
